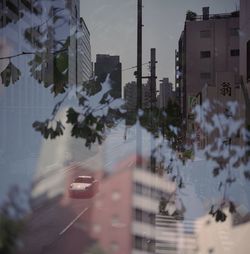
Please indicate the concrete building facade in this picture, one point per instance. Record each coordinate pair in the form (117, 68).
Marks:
(133, 194)
(208, 53)
(84, 53)
(245, 52)
(107, 64)
(166, 92)
(130, 95)
(27, 101)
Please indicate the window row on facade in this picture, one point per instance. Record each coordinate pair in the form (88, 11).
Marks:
(207, 53)
(148, 191)
(208, 33)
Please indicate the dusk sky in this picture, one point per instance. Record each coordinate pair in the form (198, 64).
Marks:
(113, 24)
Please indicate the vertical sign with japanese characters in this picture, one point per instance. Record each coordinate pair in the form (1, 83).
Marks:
(225, 86)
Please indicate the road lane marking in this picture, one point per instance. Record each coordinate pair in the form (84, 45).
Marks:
(73, 221)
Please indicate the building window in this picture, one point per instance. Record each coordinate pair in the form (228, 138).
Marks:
(138, 215)
(96, 228)
(138, 242)
(248, 61)
(116, 195)
(115, 220)
(234, 31)
(205, 54)
(144, 217)
(205, 34)
(145, 244)
(114, 247)
(98, 203)
(234, 52)
(205, 75)
(138, 188)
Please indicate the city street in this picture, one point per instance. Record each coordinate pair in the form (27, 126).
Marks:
(124, 127)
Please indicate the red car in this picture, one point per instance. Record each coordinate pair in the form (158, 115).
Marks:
(84, 187)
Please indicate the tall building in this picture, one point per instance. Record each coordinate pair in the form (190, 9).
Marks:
(107, 64)
(130, 95)
(207, 58)
(84, 53)
(245, 50)
(166, 92)
(79, 50)
(27, 100)
(123, 216)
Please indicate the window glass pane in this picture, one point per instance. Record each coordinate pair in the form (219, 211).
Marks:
(205, 33)
(205, 75)
(234, 31)
(234, 52)
(205, 54)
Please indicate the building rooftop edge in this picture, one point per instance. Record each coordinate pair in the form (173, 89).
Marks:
(192, 16)
(82, 21)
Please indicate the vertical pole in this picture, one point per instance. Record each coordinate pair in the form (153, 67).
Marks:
(153, 77)
(152, 103)
(139, 55)
(76, 36)
(139, 82)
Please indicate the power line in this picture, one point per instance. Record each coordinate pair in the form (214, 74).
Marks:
(130, 68)
(31, 53)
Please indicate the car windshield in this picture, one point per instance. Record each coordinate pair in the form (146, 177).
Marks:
(83, 180)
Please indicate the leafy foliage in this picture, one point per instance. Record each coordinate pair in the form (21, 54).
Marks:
(218, 214)
(11, 221)
(247, 174)
(46, 129)
(10, 75)
(97, 112)
(190, 15)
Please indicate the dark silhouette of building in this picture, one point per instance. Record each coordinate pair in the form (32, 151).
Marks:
(107, 64)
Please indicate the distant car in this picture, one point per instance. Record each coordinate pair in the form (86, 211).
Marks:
(84, 187)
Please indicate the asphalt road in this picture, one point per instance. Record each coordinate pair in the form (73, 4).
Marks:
(60, 225)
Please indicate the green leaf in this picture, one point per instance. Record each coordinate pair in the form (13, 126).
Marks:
(49, 132)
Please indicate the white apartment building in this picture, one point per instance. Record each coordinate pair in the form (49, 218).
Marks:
(27, 100)
(84, 53)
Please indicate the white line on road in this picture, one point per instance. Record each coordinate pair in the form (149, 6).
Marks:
(73, 221)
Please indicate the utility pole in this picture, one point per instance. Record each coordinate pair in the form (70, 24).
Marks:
(152, 102)
(153, 77)
(139, 82)
(139, 55)
(76, 36)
